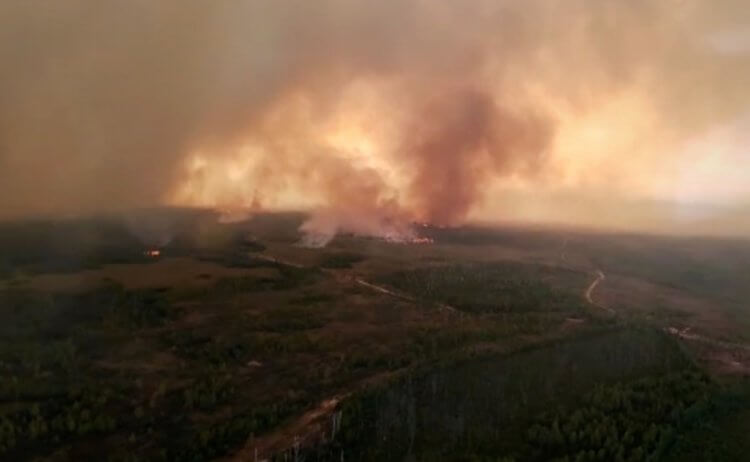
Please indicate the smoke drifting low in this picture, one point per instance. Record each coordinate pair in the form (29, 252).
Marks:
(371, 114)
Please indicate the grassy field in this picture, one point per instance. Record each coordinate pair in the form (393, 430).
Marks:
(233, 335)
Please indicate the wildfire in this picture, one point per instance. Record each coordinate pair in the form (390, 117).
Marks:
(410, 238)
(429, 225)
(422, 240)
(153, 253)
(416, 240)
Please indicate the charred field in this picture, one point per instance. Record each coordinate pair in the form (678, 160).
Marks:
(235, 343)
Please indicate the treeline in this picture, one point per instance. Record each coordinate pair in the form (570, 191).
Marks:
(77, 414)
(339, 260)
(636, 421)
(27, 313)
(632, 422)
(490, 288)
(210, 440)
(289, 278)
(67, 246)
(480, 408)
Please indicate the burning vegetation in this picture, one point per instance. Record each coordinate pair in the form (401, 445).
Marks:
(372, 113)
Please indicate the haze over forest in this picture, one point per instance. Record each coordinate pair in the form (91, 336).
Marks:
(615, 114)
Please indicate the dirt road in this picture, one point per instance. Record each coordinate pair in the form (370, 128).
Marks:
(310, 427)
(280, 261)
(590, 290)
(381, 289)
(384, 290)
(686, 334)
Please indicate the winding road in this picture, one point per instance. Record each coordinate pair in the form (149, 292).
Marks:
(590, 290)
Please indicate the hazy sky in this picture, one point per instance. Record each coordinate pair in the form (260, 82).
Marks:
(594, 112)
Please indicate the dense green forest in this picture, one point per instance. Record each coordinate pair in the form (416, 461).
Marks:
(482, 407)
(494, 287)
(624, 422)
(659, 417)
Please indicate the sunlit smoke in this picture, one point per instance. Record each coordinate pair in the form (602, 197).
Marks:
(372, 115)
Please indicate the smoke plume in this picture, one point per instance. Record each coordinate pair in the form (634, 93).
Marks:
(370, 114)
(458, 143)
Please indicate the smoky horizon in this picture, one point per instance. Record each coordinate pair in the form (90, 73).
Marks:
(372, 116)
